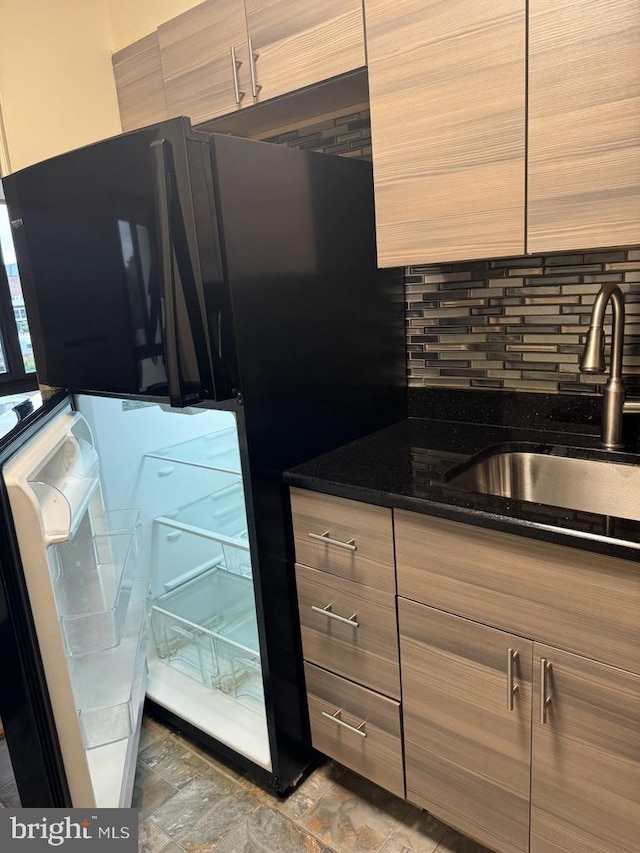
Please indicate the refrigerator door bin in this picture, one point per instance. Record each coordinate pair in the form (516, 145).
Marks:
(108, 704)
(64, 486)
(207, 629)
(96, 579)
(217, 450)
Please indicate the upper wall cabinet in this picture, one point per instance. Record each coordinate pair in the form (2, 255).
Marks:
(447, 92)
(205, 60)
(297, 43)
(138, 75)
(584, 124)
(223, 55)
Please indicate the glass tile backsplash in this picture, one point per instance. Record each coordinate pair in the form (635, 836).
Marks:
(512, 323)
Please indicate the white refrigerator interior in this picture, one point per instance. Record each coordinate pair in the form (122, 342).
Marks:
(132, 530)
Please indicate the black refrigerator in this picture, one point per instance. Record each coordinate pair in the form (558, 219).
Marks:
(208, 312)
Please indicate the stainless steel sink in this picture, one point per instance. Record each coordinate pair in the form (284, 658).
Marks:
(587, 484)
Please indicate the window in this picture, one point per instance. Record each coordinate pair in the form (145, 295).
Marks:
(17, 366)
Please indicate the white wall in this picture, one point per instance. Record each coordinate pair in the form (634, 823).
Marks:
(56, 80)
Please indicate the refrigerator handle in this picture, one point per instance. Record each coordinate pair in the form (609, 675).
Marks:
(174, 244)
(167, 274)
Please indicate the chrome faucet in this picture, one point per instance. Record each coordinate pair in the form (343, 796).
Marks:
(593, 361)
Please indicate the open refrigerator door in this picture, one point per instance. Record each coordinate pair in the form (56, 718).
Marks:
(89, 598)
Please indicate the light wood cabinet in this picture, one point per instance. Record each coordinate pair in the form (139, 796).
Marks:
(350, 629)
(138, 75)
(584, 124)
(519, 667)
(223, 55)
(447, 88)
(345, 578)
(466, 695)
(447, 93)
(586, 757)
(297, 43)
(201, 77)
(359, 728)
(584, 602)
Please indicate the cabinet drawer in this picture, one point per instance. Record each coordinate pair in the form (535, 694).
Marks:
(575, 600)
(364, 648)
(375, 752)
(346, 538)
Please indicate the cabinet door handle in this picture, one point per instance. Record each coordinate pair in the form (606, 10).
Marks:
(350, 545)
(512, 689)
(327, 612)
(255, 87)
(235, 64)
(545, 698)
(358, 730)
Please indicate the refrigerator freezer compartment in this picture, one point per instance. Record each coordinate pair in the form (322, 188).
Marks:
(64, 486)
(107, 685)
(220, 513)
(207, 629)
(217, 450)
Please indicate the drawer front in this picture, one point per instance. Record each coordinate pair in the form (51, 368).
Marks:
(349, 539)
(356, 635)
(575, 600)
(376, 751)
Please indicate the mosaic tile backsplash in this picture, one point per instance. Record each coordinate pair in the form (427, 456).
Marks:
(514, 323)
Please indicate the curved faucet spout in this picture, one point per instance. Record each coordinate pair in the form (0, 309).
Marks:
(592, 361)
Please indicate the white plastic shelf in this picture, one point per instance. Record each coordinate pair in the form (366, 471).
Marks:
(220, 514)
(217, 450)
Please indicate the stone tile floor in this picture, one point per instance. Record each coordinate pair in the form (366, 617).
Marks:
(190, 801)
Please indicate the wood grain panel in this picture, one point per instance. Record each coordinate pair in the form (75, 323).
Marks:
(575, 600)
(584, 124)
(196, 59)
(301, 43)
(138, 74)
(586, 759)
(378, 756)
(367, 653)
(467, 756)
(447, 91)
(372, 562)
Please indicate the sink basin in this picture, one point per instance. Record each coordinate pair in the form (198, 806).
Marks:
(573, 482)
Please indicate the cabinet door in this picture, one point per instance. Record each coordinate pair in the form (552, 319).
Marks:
(447, 92)
(298, 43)
(585, 788)
(584, 124)
(138, 75)
(467, 733)
(197, 65)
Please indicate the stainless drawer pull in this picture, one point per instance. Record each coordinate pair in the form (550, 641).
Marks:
(235, 64)
(359, 730)
(324, 537)
(512, 689)
(545, 698)
(327, 612)
(255, 87)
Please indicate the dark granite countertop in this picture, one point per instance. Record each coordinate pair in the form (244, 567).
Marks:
(404, 466)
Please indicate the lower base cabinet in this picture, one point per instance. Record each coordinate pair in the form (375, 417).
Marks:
(585, 783)
(356, 726)
(485, 711)
(466, 692)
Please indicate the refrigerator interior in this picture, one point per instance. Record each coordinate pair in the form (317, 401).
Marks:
(144, 546)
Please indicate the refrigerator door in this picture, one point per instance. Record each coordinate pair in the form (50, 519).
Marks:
(89, 602)
(119, 257)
